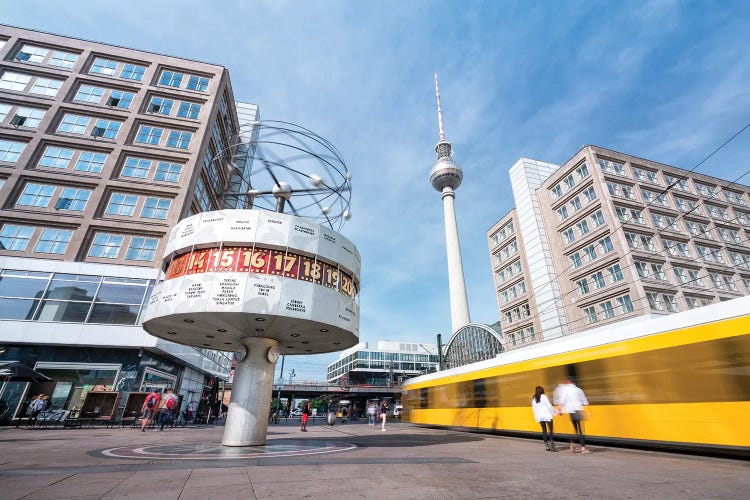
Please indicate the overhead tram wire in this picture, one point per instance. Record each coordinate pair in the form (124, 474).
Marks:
(664, 191)
(659, 232)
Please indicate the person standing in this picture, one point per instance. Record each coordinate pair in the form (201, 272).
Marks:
(306, 411)
(167, 406)
(150, 404)
(571, 400)
(543, 414)
(36, 407)
(383, 413)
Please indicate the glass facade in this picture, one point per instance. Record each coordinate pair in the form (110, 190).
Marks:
(472, 343)
(381, 368)
(72, 298)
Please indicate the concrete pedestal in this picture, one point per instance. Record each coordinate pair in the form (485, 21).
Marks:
(247, 419)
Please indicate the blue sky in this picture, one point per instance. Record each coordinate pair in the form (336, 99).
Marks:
(664, 80)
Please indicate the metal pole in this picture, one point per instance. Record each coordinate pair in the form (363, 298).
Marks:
(440, 351)
(280, 204)
(281, 378)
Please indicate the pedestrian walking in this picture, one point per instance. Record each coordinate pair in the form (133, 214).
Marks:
(543, 414)
(383, 413)
(371, 410)
(150, 404)
(166, 407)
(571, 400)
(306, 411)
(36, 406)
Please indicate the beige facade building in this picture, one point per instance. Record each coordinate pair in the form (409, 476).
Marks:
(102, 150)
(627, 237)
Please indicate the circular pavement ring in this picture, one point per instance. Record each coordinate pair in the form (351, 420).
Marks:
(211, 451)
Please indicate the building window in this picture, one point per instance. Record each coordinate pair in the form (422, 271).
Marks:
(156, 208)
(597, 218)
(583, 286)
(31, 53)
(575, 260)
(36, 195)
(90, 94)
(74, 124)
(103, 66)
(55, 157)
(16, 238)
(4, 110)
(122, 204)
(27, 117)
(53, 241)
(589, 194)
(201, 196)
(590, 315)
(198, 83)
(612, 167)
(562, 213)
(607, 310)
(582, 171)
(106, 128)
(189, 110)
(120, 99)
(575, 204)
(693, 302)
(556, 191)
(625, 304)
(679, 183)
(569, 235)
(10, 151)
(654, 301)
(615, 273)
(46, 87)
(106, 245)
(169, 172)
(569, 182)
(63, 59)
(583, 227)
(605, 245)
(695, 277)
(597, 280)
(91, 162)
(14, 81)
(589, 253)
(142, 249)
(73, 199)
(149, 135)
(136, 167)
(170, 78)
(706, 190)
(734, 198)
(178, 139)
(160, 105)
(132, 72)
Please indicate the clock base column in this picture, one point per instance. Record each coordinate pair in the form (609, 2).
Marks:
(247, 419)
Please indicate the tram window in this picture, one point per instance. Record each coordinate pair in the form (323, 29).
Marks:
(592, 377)
(423, 398)
(463, 397)
(480, 396)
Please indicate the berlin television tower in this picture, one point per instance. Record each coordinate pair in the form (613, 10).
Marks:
(446, 176)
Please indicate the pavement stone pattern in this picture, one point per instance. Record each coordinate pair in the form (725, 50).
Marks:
(406, 461)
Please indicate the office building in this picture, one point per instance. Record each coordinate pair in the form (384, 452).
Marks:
(609, 236)
(102, 150)
(385, 366)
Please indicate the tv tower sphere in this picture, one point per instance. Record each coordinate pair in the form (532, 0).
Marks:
(446, 172)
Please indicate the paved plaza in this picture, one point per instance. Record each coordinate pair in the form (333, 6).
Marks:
(341, 462)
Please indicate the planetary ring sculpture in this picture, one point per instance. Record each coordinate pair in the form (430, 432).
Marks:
(297, 166)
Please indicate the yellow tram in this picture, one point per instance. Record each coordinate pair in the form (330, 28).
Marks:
(680, 381)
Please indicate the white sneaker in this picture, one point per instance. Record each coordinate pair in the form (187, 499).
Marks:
(382, 430)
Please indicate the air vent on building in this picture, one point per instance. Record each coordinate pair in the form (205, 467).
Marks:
(97, 132)
(154, 108)
(113, 101)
